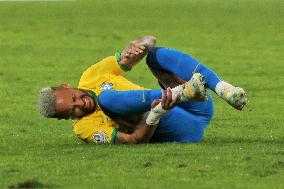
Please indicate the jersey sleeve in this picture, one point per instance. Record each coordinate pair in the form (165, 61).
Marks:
(95, 131)
(107, 66)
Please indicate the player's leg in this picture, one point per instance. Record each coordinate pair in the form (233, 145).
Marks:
(180, 64)
(132, 102)
(169, 64)
(178, 125)
(169, 77)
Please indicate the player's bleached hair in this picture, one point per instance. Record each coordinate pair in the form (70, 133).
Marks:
(46, 102)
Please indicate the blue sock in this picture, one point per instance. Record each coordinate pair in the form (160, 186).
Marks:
(181, 64)
(127, 102)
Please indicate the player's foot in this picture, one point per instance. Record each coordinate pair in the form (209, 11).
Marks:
(136, 50)
(195, 89)
(235, 96)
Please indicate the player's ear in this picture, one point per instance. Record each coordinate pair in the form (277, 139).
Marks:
(65, 86)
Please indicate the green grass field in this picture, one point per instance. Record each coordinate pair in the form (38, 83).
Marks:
(48, 43)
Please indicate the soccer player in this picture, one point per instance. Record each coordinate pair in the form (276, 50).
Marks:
(107, 108)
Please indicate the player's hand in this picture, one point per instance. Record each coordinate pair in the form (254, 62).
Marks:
(133, 54)
(135, 49)
(167, 101)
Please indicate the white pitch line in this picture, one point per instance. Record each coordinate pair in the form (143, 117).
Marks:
(38, 0)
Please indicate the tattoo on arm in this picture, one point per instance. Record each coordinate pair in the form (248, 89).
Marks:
(141, 134)
(124, 138)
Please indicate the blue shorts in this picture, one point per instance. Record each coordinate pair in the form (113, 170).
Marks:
(187, 121)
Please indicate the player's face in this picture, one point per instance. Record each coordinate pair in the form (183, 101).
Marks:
(73, 103)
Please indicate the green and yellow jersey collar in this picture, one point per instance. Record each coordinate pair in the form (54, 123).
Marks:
(93, 94)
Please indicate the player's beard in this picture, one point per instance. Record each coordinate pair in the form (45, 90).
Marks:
(89, 103)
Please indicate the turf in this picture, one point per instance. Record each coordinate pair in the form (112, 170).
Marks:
(48, 43)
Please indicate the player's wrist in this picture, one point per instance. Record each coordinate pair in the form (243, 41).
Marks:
(155, 115)
(120, 62)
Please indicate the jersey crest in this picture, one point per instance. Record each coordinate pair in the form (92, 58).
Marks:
(100, 137)
(106, 86)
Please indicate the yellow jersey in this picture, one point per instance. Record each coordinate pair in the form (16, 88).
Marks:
(106, 74)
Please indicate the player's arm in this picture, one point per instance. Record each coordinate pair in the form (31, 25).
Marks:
(135, 51)
(120, 63)
(112, 65)
(131, 56)
(147, 126)
(141, 134)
